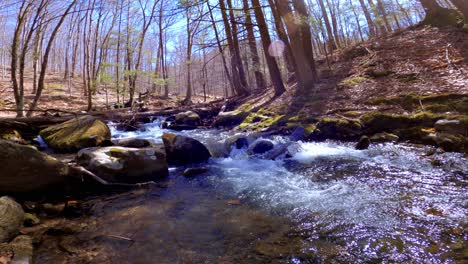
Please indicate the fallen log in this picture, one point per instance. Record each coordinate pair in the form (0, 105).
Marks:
(117, 115)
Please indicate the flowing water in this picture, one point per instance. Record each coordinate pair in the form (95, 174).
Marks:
(325, 203)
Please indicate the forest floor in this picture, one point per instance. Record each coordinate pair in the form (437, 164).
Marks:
(419, 61)
(424, 61)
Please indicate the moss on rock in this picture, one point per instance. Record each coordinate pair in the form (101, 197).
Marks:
(337, 128)
(76, 134)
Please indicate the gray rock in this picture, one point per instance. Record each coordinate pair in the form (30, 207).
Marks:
(25, 170)
(125, 165)
(451, 126)
(132, 143)
(232, 118)
(11, 218)
(188, 118)
(261, 146)
(183, 150)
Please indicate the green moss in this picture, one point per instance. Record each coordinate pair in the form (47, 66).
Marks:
(439, 108)
(76, 134)
(381, 122)
(261, 120)
(336, 128)
(437, 103)
(352, 114)
(352, 81)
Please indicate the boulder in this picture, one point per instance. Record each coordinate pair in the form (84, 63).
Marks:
(76, 134)
(20, 250)
(450, 142)
(25, 170)
(183, 150)
(261, 146)
(363, 143)
(336, 128)
(132, 143)
(125, 165)
(188, 118)
(451, 126)
(228, 119)
(11, 218)
(384, 137)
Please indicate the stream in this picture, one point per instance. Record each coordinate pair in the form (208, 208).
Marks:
(325, 203)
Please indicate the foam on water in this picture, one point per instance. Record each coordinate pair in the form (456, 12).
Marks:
(308, 152)
(374, 184)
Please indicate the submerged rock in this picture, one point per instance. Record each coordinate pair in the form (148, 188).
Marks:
(261, 146)
(25, 170)
(190, 172)
(76, 134)
(125, 165)
(183, 150)
(132, 143)
(11, 218)
(363, 143)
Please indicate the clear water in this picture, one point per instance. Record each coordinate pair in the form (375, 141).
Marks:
(327, 203)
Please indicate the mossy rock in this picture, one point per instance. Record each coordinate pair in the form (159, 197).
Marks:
(11, 135)
(262, 120)
(230, 119)
(437, 103)
(337, 128)
(76, 134)
(375, 122)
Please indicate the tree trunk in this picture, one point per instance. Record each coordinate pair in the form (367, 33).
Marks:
(259, 79)
(368, 17)
(274, 71)
(331, 42)
(281, 31)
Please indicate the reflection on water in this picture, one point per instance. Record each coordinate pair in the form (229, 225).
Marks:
(327, 203)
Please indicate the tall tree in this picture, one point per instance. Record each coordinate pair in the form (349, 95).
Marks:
(260, 81)
(273, 69)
